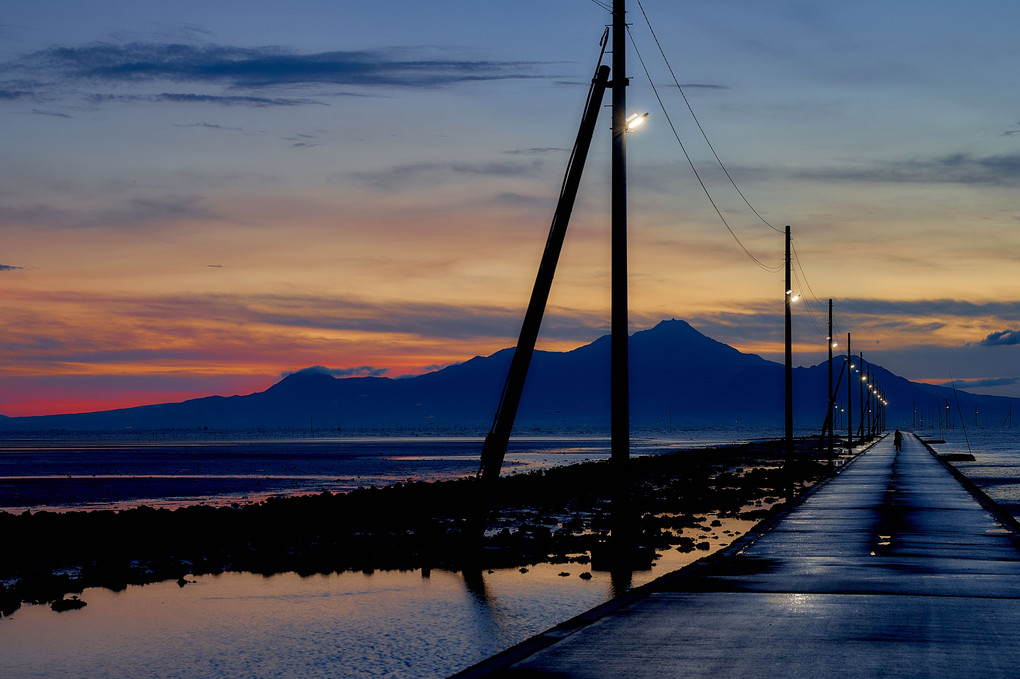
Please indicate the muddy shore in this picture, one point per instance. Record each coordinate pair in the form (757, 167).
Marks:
(559, 515)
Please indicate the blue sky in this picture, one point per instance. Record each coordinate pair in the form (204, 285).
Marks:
(199, 197)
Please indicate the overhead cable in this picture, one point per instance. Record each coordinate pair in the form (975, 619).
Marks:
(698, 123)
(750, 255)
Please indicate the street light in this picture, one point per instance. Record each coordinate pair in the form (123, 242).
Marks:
(634, 121)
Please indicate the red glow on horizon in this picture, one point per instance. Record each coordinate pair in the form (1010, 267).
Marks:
(44, 401)
(74, 405)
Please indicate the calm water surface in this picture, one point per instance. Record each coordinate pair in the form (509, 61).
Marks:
(62, 475)
(996, 466)
(388, 624)
(384, 624)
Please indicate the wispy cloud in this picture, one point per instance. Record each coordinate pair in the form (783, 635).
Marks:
(210, 126)
(424, 320)
(449, 321)
(360, 371)
(423, 174)
(538, 151)
(302, 141)
(186, 98)
(12, 95)
(1005, 337)
(134, 212)
(9, 267)
(254, 67)
(986, 382)
(960, 168)
(54, 114)
(897, 322)
(932, 307)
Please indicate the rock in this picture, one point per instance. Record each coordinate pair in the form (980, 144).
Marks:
(72, 604)
(685, 544)
(585, 576)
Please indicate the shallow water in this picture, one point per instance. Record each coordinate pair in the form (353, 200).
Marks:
(383, 624)
(996, 465)
(67, 474)
(244, 625)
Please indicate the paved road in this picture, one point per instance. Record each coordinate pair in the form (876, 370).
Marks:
(892, 569)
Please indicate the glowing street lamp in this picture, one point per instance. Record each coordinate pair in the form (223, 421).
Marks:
(634, 121)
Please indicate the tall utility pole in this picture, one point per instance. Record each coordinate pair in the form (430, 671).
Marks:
(829, 396)
(619, 368)
(622, 536)
(869, 426)
(849, 395)
(789, 351)
(861, 394)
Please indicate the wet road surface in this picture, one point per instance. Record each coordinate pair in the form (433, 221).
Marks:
(891, 569)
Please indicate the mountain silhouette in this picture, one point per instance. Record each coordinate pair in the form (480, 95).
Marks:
(679, 378)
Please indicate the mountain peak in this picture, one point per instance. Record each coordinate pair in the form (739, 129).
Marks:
(302, 380)
(672, 325)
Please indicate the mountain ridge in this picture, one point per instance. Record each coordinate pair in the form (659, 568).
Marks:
(679, 377)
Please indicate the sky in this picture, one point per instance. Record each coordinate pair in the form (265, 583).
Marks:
(198, 198)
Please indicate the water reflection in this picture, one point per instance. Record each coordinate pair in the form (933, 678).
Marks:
(474, 581)
(410, 624)
(621, 581)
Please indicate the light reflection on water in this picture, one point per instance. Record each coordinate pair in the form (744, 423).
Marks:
(396, 624)
(384, 624)
(996, 465)
(85, 475)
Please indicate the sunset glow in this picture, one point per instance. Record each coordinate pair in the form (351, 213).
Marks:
(196, 205)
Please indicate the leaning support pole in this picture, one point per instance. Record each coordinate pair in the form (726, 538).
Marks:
(494, 448)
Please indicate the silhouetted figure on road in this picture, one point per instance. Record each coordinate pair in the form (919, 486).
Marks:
(897, 440)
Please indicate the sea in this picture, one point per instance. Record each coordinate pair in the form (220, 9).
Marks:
(352, 624)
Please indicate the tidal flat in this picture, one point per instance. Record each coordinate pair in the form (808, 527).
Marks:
(558, 515)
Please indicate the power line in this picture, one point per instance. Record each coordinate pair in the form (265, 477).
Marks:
(694, 169)
(803, 275)
(698, 122)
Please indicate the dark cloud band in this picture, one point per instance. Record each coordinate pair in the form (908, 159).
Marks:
(260, 67)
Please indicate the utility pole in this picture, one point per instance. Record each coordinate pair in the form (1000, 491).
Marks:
(829, 396)
(849, 395)
(619, 325)
(789, 352)
(860, 394)
(622, 531)
(871, 405)
(884, 413)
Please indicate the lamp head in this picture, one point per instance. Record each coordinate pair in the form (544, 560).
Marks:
(634, 121)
